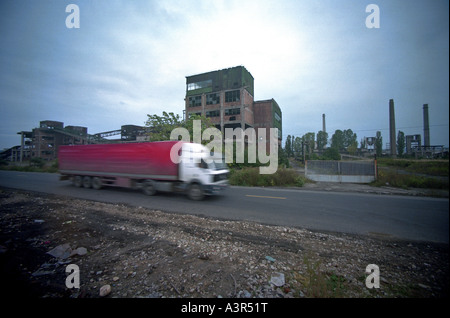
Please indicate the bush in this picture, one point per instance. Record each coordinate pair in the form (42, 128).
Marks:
(37, 162)
(251, 177)
(331, 154)
(34, 165)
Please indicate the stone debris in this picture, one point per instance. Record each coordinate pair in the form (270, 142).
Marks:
(61, 251)
(64, 251)
(79, 251)
(277, 279)
(105, 290)
(124, 251)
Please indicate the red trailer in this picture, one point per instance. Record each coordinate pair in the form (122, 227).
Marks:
(145, 165)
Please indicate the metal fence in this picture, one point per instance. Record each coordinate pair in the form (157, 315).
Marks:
(341, 171)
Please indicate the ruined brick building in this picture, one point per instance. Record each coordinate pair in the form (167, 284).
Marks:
(227, 97)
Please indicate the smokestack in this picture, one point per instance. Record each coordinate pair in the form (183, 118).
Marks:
(324, 129)
(392, 138)
(426, 126)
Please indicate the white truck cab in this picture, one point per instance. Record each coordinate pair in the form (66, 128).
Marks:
(202, 172)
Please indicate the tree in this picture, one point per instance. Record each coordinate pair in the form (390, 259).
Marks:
(344, 140)
(205, 123)
(322, 139)
(297, 147)
(352, 148)
(283, 160)
(350, 139)
(337, 140)
(379, 144)
(331, 154)
(400, 143)
(309, 141)
(161, 126)
(288, 146)
(363, 143)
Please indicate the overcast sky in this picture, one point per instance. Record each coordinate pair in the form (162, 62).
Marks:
(131, 58)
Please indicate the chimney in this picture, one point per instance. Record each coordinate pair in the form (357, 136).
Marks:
(426, 126)
(324, 129)
(392, 137)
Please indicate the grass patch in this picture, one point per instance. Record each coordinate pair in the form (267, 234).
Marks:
(430, 167)
(434, 168)
(315, 283)
(406, 173)
(406, 181)
(32, 166)
(251, 177)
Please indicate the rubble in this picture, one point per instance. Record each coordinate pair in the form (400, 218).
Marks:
(278, 279)
(61, 251)
(105, 290)
(139, 252)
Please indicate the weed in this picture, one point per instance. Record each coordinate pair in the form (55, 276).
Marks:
(252, 177)
(430, 167)
(409, 181)
(318, 284)
(34, 165)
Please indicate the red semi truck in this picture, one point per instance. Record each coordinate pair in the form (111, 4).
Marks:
(152, 166)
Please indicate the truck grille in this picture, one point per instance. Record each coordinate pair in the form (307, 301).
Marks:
(220, 177)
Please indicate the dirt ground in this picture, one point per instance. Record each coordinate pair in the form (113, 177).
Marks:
(139, 252)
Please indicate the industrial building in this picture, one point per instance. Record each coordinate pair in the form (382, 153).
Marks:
(44, 141)
(227, 97)
(414, 142)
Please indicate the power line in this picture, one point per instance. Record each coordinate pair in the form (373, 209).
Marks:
(439, 125)
(383, 129)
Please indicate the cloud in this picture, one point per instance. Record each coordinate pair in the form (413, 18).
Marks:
(130, 59)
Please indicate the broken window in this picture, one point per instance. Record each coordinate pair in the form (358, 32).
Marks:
(195, 101)
(199, 85)
(212, 99)
(232, 111)
(213, 113)
(233, 96)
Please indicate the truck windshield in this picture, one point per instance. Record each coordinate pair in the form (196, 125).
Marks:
(217, 163)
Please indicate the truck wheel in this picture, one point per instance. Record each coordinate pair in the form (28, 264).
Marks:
(77, 181)
(87, 182)
(195, 192)
(97, 183)
(149, 188)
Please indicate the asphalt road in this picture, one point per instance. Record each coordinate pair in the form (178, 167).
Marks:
(386, 216)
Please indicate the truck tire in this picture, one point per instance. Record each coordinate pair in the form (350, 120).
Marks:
(78, 181)
(97, 183)
(87, 182)
(149, 188)
(195, 192)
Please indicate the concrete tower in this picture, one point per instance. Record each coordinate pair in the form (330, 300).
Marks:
(324, 128)
(392, 137)
(426, 126)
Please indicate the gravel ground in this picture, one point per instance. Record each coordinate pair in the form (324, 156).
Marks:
(123, 251)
